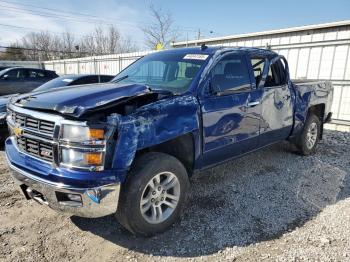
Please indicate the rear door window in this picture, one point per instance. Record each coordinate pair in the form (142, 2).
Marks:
(35, 74)
(16, 74)
(258, 65)
(277, 75)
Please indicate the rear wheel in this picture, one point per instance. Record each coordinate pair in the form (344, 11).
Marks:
(154, 195)
(308, 139)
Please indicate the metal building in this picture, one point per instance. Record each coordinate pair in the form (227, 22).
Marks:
(314, 52)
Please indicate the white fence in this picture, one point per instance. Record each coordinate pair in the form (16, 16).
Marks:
(108, 64)
(30, 64)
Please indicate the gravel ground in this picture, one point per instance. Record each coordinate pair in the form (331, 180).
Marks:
(269, 205)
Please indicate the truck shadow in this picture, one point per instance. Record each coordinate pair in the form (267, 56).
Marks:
(253, 199)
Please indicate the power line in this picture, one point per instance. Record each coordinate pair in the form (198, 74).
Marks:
(51, 9)
(53, 32)
(89, 18)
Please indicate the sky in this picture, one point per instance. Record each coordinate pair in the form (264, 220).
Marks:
(212, 18)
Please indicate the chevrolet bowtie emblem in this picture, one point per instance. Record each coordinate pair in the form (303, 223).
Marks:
(17, 131)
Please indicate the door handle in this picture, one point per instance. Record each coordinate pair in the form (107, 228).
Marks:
(254, 103)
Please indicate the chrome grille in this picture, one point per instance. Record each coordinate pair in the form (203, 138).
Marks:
(35, 147)
(34, 124)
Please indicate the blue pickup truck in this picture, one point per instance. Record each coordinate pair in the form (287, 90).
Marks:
(128, 147)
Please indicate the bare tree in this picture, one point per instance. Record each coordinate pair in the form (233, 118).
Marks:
(161, 30)
(69, 44)
(47, 46)
(12, 53)
(106, 41)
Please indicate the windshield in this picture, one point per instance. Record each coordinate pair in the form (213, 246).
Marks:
(168, 71)
(54, 83)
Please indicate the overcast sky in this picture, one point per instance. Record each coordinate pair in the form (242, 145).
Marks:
(220, 17)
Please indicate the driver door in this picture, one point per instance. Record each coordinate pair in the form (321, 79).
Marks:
(230, 110)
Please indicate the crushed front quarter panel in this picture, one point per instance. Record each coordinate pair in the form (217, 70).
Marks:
(154, 124)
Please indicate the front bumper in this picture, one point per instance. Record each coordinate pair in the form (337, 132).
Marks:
(95, 202)
(54, 187)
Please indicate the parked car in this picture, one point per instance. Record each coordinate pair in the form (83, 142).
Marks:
(66, 80)
(3, 125)
(3, 67)
(73, 80)
(129, 147)
(23, 80)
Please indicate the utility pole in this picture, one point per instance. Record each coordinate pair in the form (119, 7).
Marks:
(199, 34)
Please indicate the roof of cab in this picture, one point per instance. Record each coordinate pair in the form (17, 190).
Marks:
(210, 50)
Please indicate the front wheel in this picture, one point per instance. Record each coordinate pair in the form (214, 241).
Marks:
(308, 139)
(154, 194)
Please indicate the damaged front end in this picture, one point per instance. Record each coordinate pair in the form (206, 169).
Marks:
(75, 160)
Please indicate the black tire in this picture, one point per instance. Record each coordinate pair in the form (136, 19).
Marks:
(302, 141)
(145, 168)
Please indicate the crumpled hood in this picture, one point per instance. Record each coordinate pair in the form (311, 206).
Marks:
(77, 100)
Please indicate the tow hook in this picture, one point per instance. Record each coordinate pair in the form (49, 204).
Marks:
(36, 196)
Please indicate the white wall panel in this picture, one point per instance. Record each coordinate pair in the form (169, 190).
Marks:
(340, 58)
(285, 40)
(317, 37)
(306, 38)
(344, 109)
(275, 41)
(303, 63)
(314, 62)
(336, 101)
(292, 61)
(344, 34)
(347, 70)
(326, 62)
(330, 35)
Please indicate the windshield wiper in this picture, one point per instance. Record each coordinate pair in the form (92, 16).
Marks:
(120, 79)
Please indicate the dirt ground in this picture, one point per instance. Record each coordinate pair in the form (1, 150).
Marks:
(269, 205)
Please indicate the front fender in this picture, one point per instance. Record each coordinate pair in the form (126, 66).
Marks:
(154, 124)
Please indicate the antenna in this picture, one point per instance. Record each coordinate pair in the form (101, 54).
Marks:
(203, 47)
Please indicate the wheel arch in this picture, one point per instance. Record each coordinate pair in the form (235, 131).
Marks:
(319, 111)
(181, 147)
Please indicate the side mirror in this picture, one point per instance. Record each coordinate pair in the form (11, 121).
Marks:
(213, 88)
(5, 77)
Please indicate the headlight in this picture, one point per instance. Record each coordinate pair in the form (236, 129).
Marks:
(82, 134)
(82, 146)
(77, 158)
